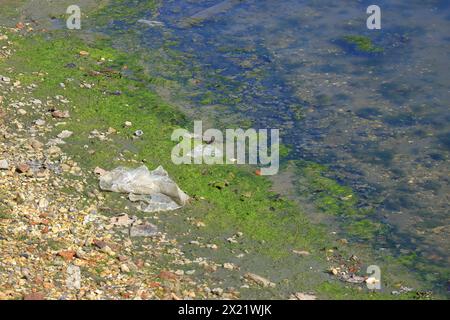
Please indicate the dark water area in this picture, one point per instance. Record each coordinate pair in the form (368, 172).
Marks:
(380, 120)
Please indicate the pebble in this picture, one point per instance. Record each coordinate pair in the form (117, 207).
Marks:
(43, 203)
(217, 291)
(23, 168)
(124, 268)
(65, 134)
(143, 230)
(36, 145)
(303, 296)
(4, 165)
(301, 252)
(34, 296)
(60, 114)
(73, 280)
(259, 280)
(39, 122)
(229, 266)
(99, 171)
(54, 150)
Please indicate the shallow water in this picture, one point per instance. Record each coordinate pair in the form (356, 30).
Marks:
(380, 120)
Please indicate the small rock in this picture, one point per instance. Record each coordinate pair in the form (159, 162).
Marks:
(301, 252)
(121, 220)
(36, 145)
(179, 272)
(124, 268)
(60, 114)
(21, 112)
(4, 165)
(67, 255)
(232, 240)
(73, 280)
(55, 142)
(144, 230)
(20, 198)
(83, 53)
(23, 168)
(20, 25)
(217, 291)
(303, 296)
(39, 122)
(99, 171)
(353, 279)
(229, 266)
(127, 124)
(111, 130)
(108, 251)
(200, 224)
(54, 150)
(259, 280)
(65, 167)
(167, 275)
(65, 134)
(34, 296)
(43, 203)
(99, 243)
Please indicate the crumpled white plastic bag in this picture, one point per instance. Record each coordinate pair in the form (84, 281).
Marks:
(153, 189)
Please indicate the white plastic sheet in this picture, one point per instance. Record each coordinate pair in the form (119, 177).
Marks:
(154, 190)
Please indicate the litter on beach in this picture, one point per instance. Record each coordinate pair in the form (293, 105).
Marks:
(154, 190)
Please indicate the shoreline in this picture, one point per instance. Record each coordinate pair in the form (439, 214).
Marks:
(101, 107)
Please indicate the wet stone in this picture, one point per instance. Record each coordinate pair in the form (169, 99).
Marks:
(4, 165)
(144, 230)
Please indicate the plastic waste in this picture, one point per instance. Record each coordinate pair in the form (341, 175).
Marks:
(154, 190)
(154, 203)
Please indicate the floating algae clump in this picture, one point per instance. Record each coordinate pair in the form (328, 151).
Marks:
(363, 44)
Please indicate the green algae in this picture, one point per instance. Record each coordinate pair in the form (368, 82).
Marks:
(335, 199)
(328, 195)
(364, 229)
(363, 44)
